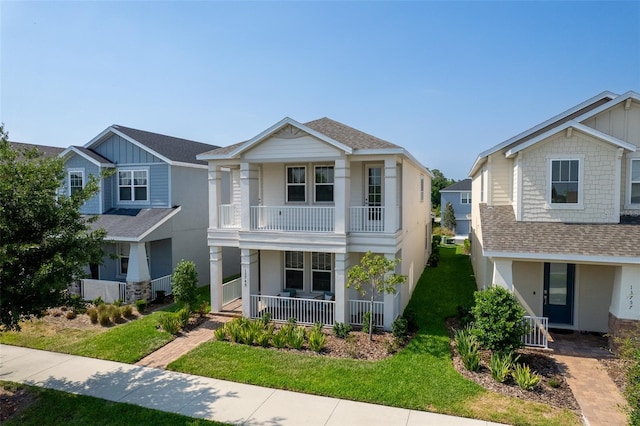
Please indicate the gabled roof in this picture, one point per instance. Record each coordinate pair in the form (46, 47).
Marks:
(132, 225)
(93, 157)
(334, 133)
(576, 113)
(47, 151)
(463, 185)
(171, 149)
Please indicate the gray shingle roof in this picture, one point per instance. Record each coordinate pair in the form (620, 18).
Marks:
(91, 154)
(175, 149)
(502, 233)
(47, 151)
(129, 223)
(463, 185)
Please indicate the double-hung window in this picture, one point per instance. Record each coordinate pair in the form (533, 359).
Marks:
(320, 271)
(296, 184)
(465, 198)
(634, 190)
(324, 184)
(133, 185)
(294, 269)
(76, 181)
(565, 183)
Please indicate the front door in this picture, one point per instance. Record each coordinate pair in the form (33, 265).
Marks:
(374, 192)
(559, 280)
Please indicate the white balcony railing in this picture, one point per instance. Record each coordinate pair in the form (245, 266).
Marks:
(357, 309)
(292, 219)
(231, 291)
(305, 311)
(538, 332)
(366, 219)
(228, 216)
(162, 284)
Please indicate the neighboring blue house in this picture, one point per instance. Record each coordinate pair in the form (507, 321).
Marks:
(459, 195)
(154, 208)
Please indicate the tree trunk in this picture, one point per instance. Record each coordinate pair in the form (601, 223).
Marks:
(371, 318)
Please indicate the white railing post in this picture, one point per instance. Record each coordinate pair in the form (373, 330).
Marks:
(537, 331)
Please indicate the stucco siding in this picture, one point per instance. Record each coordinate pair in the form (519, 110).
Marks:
(271, 271)
(274, 183)
(121, 151)
(528, 285)
(593, 295)
(290, 149)
(160, 258)
(597, 179)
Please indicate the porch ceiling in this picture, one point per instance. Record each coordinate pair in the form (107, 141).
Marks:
(502, 234)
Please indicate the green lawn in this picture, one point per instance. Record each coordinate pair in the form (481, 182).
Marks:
(419, 377)
(55, 408)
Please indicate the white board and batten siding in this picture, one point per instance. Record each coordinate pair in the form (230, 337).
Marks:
(284, 150)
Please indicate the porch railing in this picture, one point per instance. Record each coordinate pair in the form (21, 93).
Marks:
(357, 309)
(366, 219)
(161, 284)
(107, 290)
(538, 332)
(231, 290)
(228, 216)
(305, 311)
(293, 219)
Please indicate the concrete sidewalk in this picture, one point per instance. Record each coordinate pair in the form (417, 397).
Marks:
(201, 397)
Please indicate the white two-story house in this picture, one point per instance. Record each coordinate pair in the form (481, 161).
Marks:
(307, 201)
(556, 216)
(153, 208)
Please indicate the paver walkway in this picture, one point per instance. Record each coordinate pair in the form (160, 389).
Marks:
(599, 399)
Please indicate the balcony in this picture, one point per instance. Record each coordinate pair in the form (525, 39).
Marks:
(361, 219)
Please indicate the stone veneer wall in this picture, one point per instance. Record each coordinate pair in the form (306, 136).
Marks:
(620, 329)
(138, 290)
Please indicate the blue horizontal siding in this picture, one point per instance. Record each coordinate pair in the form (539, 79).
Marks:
(91, 206)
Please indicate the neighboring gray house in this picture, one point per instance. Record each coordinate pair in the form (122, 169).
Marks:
(46, 151)
(459, 195)
(153, 207)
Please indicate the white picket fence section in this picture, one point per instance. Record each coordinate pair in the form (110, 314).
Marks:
(162, 284)
(293, 219)
(231, 291)
(228, 216)
(305, 311)
(366, 219)
(357, 309)
(538, 332)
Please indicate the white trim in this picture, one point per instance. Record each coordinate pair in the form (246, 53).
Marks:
(469, 198)
(627, 199)
(133, 201)
(75, 150)
(75, 170)
(315, 184)
(566, 258)
(579, 205)
(572, 125)
(618, 99)
(287, 184)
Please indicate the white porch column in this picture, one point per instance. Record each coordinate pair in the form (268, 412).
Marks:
(390, 195)
(215, 191)
(503, 273)
(341, 292)
(250, 278)
(138, 268)
(215, 269)
(389, 299)
(248, 193)
(341, 195)
(625, 298)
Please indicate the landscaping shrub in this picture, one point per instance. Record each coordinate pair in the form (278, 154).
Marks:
(400, 330)
(127, 311)
(97, 301)
(234, 329)
(628, 347)
(524, 377)
(266, 317)
(70, 314)
(437, 239)
(103, 317)
(297, 337)
(468, 348)
(184, 282)
(93, 315)
(464, 314)
(467, 246)
(183, 316)
(501, 365)
(203, 308)
(280, 338)
(114, 313)
(220, 333)
(317, 339)
(434, 257)
(75, 302)
(117, 302)
(169, 323)
(264, 337)
(497, 317)
(141, 305)
(341, 330)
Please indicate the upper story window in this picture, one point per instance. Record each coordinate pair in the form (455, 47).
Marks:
(634, 190)
(565, 181)
(421, 188)
(293, 269)
(133, 185)
(324, 184)
(296, 184)
(465, 198)
(76, 181)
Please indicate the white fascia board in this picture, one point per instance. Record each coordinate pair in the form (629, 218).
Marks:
(74, 150)
(577, 126)
(501, 145)
(477, 164)
(628, 95)
(279, 125)
(565, 258)
(395, 151)
(193, 166)
(160, 222)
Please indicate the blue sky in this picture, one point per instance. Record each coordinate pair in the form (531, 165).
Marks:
(445, 80)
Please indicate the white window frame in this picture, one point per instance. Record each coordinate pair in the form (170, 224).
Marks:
(316, 269)
(465, 197)
(566, 206)
(630, 183)
(133, 186)
(303, 184)
(292, 268)
(421, 188)
(316, 184)
(75, 171)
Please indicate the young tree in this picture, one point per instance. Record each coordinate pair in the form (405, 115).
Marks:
(374, 275)
(45, 243)
(185, 283)
(449, 218)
